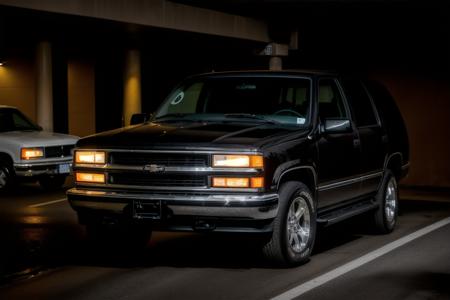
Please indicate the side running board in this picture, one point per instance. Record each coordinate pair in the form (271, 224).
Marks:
(334, 216)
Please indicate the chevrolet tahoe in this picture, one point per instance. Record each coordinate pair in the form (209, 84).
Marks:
(276, 153)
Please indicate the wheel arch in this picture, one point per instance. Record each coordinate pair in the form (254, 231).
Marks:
(304, 174)
(394, 163)
(7, 158)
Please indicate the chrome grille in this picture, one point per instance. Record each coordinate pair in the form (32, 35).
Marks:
(157, 180)
(58, 151)
(163, 159)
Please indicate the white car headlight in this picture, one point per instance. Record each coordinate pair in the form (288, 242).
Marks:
(31, 153)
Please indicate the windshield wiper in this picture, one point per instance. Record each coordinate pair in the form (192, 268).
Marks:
(250, 116)
(175, 117)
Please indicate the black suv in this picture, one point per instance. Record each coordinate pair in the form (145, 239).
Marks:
(259, 152)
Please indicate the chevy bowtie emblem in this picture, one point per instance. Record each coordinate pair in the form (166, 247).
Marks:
(154, 168)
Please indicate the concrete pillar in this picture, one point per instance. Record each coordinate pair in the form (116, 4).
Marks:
(275, 63)
(44, 86)
(132, 85)
(276, 52)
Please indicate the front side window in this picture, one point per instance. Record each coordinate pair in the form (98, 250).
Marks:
(360, 103)
(256, 99)
(331, 104)
(13, 120)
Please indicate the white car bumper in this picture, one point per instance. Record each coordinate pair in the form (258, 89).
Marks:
(38, 168)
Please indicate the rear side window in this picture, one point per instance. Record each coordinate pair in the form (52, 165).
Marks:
(331, 105)
(360, 103)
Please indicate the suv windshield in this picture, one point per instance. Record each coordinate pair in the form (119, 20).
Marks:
(249, 99)
(13, 120)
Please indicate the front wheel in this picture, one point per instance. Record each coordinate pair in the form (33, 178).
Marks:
(385, 217)
(5, 175)
(294, 228)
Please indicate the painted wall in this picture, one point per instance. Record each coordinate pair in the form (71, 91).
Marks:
(81, 98)
(18, 88)
(17, 85)
(425, 106)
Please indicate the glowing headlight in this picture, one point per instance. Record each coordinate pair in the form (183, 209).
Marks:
(238, 161)
(31, 153)
(90, 157)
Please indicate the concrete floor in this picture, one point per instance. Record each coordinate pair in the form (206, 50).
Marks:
(44, 255)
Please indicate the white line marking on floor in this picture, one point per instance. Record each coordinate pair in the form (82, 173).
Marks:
(318, 281)
(47, 203)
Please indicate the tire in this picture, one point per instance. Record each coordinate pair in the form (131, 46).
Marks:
(51, 183)
(122, 238)
(293, 237)
(385, 217)
(6, 175)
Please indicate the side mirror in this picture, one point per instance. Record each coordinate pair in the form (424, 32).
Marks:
(336, 126)
(140, 118)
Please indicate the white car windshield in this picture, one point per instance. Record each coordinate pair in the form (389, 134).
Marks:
(250, 99)
(13, 120)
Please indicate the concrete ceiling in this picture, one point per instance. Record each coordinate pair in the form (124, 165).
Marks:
(355, 33)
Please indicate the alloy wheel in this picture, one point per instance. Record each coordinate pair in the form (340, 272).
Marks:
(3, 178)
(298, 225)
(390, 199)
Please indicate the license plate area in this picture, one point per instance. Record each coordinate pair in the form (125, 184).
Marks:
(148, 209)
(64, 168)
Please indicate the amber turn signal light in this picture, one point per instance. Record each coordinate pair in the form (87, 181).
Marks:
(236, 182)
(90, 177)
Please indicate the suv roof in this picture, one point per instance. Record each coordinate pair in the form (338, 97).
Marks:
(270, 73)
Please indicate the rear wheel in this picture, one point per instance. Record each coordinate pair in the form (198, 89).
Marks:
(385, 217)
(52, 182)
(294, 228)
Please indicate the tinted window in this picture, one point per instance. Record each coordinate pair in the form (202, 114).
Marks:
(13, 120)
(331, 105)
(359, 102)
(282, 100)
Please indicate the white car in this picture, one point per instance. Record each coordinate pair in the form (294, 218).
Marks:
(27, 152)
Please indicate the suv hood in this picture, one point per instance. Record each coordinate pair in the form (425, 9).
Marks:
(37, 138)
(205, 134)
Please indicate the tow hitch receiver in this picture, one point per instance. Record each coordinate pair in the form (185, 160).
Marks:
(147, 209)
(204, 225)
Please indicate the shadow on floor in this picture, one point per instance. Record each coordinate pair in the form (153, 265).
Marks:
(54, 245)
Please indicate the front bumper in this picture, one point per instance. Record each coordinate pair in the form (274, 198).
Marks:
(246, 213)
(255, 207)
(40, 168)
